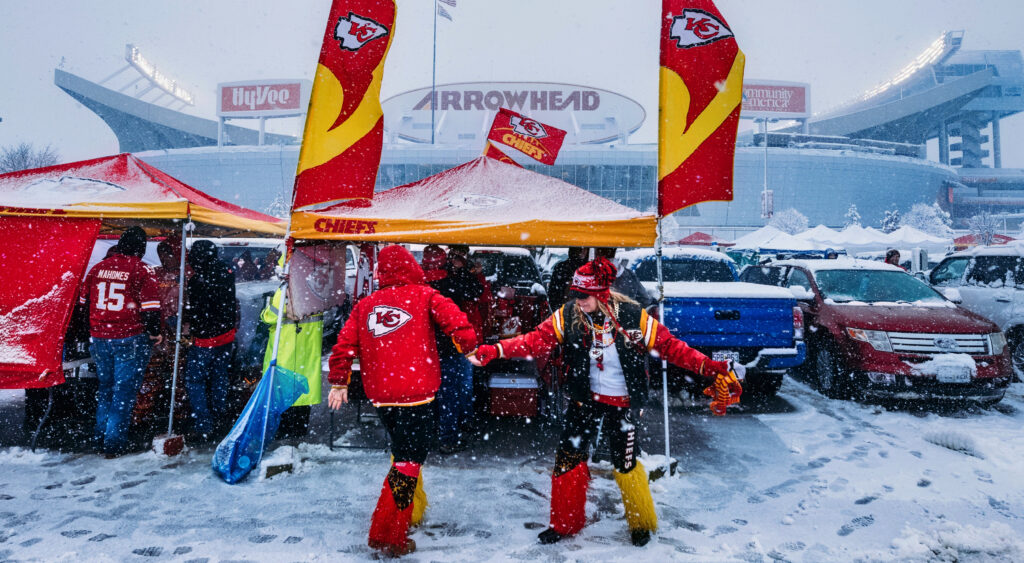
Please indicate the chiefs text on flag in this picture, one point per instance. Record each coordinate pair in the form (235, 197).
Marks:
(529, 136)
(699, 105)
(344, 130)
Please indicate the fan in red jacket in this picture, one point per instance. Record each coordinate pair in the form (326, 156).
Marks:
(391, 331)
(605, 339)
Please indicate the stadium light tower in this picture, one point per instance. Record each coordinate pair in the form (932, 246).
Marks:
(156, 78)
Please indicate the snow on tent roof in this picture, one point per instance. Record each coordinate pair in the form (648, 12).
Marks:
(770, 238)
(482, 202)
(821, 233)
(858, 238)
(122, 187)
(701, 239)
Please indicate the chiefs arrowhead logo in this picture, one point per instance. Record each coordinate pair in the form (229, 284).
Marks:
(384, 320)
(355, 31)
(528, 127)
(697, 27)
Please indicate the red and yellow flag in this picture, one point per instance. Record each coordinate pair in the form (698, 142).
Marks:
(491, 151)
(344, 131)
(699, 105)
(529, 136)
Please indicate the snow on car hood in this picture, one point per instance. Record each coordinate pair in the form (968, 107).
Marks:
(908, 318)
(720, 289)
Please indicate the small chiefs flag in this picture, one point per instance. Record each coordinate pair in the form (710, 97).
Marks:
(529, 136)
(344, 131)
(491, 151)
(700, 98)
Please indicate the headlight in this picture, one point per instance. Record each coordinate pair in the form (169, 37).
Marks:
(996, 343)
(878, 339)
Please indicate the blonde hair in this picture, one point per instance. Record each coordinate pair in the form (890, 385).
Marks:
(607, 308)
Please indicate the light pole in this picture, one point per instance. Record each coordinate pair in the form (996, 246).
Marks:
(767, 197)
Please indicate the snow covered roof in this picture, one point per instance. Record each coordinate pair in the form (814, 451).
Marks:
(674, 252)
(484, 202)
(840, 263)
(720, 290)
(770, 238)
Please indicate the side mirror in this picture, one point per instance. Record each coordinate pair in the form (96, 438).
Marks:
(952, 294)
(538, 289)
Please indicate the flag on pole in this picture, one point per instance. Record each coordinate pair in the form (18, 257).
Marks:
(529, 136)
(444, 13)
(344, 130)
(491, 151)
(700, 97)
(451, 3)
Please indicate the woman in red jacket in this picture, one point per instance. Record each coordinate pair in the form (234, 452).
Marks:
(391, 331)
(605, 340)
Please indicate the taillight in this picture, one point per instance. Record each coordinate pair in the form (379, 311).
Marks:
(798, 323)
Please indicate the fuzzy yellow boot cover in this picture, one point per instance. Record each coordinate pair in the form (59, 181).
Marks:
(419, 502)
(636, 498)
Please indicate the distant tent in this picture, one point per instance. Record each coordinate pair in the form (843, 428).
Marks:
(769, 239)
(701, 239)
(967, 241)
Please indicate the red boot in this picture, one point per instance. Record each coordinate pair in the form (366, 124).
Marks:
(569, 500)
(389, 526)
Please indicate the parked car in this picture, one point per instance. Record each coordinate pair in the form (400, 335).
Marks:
(989, 280)
(875, 331)
(708, 307)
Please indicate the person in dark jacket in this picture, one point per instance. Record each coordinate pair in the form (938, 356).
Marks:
(605, 338)
(454, 280)
(626, 281)
(391, 331)
(561, 276)
(211, 311)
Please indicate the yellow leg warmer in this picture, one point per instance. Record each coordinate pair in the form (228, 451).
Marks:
(636, 497)
(419, 502)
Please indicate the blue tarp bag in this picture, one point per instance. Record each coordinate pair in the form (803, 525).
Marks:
(243, 447)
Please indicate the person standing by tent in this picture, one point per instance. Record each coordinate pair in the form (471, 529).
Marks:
(391, 331)
(122, 297)
(455, 398)
(605, 338)
(561, 276)
(299, 350)
(212, 313)
(626, 281)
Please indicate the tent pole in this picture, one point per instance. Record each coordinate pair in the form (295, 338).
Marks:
(177, 330)
(277, 342)
(664, 363)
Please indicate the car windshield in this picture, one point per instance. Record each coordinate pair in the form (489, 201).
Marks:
(685, 271)
(506, 269)
(874, 286)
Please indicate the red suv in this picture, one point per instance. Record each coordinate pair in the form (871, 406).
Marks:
(875, 331)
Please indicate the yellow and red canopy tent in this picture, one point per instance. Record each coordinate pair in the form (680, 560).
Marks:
(481, 202)
(49, 221)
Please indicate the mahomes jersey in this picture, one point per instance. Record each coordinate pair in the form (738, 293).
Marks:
(118, 289)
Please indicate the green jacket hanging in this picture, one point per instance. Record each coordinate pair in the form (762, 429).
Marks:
(299, 349)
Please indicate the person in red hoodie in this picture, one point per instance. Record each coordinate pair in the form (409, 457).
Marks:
(605, 338)
(391, 331)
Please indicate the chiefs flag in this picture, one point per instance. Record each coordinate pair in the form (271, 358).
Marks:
(526, 135)
(491, 151)
(344, 131)
(700, 99)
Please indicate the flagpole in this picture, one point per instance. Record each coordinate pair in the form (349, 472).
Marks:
(433, 76)
(664, 363)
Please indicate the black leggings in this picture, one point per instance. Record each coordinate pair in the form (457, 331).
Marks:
(581, 427)
(411, 430)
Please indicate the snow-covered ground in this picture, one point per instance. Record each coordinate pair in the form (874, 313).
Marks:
(802, 479)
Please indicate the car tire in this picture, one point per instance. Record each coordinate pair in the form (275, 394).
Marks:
(1016, 345)
(763, 387)
(832, 378)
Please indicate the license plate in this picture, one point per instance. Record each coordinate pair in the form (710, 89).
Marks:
(953, 375)
(722, 355)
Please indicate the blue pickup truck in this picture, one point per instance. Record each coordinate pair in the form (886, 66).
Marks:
(706, 306)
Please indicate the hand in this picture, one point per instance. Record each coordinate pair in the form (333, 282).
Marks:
(713, 368)
(337, 397)
(156, 340)
(484, 355)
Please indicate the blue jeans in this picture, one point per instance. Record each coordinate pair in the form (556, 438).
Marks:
(120, 365)
(206, 380)
(455, 397)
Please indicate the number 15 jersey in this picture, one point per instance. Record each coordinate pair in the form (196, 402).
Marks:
(118, 290)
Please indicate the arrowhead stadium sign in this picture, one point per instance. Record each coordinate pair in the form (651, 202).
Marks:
(463, 112)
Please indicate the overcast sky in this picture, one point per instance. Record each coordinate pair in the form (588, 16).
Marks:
(841, 48)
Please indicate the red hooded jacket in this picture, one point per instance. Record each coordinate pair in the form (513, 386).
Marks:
(391, 331)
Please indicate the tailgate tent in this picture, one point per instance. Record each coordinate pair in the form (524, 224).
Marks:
(482, 202)
(49, 220)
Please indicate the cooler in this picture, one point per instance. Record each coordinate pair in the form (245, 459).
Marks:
(513, 394)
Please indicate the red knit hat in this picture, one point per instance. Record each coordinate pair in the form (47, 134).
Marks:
(595, 278)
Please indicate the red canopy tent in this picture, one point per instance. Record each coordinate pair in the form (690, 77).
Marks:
(967, 241)
(50, 218)
(701, 239)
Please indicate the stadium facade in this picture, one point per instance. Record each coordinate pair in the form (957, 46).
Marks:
(870, 152)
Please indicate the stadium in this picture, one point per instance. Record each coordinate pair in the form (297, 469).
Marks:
(872, 150)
